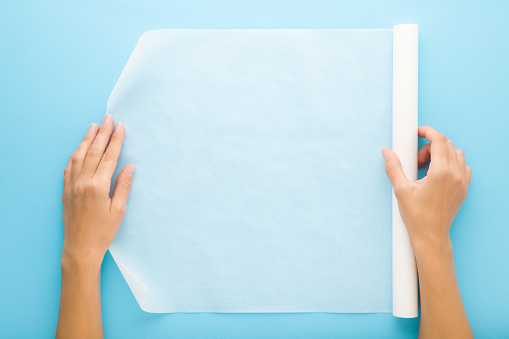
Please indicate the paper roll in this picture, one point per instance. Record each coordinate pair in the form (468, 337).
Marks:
(404, 143)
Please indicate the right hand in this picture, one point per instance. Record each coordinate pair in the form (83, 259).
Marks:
(429, 205)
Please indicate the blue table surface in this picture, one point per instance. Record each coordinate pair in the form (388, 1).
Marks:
(59, 61)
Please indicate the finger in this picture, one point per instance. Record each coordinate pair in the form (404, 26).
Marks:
(424, 155)
(452, 156)
(67, 173)
(110, 157)
(438, 147)
(66, 190)
(469, 174)
(78, 157)
(96, 150)
(394, 170)
(460, 155)
(122, 189)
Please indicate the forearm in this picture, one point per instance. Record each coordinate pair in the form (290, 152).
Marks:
(442, 311)
(80, 301)
(90, 219)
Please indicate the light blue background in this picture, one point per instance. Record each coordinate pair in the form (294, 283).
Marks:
(60, 60)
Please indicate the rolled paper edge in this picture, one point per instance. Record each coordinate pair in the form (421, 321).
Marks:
(405, 145)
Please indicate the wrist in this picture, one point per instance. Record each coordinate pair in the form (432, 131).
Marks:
(80, 274)
(82, 262)
(432, 250)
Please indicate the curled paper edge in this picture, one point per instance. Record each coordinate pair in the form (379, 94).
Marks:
(137, 286)
(404, 144)
(122, 83)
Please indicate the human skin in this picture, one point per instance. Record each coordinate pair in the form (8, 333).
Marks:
(428, 207)
(91, 220)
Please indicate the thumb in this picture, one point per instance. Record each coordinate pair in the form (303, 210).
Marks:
(393, 168)
(122, 188)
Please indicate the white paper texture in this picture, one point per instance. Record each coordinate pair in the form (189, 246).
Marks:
(259, 184)
(404, 143)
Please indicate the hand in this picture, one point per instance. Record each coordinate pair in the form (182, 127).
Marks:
(91, 218)
(428, 206)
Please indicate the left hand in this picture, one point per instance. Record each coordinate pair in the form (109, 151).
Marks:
(91, 218)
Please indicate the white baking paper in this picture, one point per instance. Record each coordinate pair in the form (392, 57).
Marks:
(404, 143)
(260, 186)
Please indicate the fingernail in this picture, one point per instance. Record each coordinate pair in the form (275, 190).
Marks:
(118, 127)
(130, 171)
(106, 119)
(385, 153)
(91, 128)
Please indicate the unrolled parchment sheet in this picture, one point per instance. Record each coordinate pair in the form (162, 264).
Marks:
(260, 185)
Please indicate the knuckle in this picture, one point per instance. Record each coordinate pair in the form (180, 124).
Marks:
(87, 137)
(87, 187)
(120, 208)
(450, 143)
(94, 186)
(115, 138)
(78, 188)
(126, 185)
(75, 158)
(441, 138)
(458, 180)
(108, 155)
(444, 173)
(93, 152)
(389, 167)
